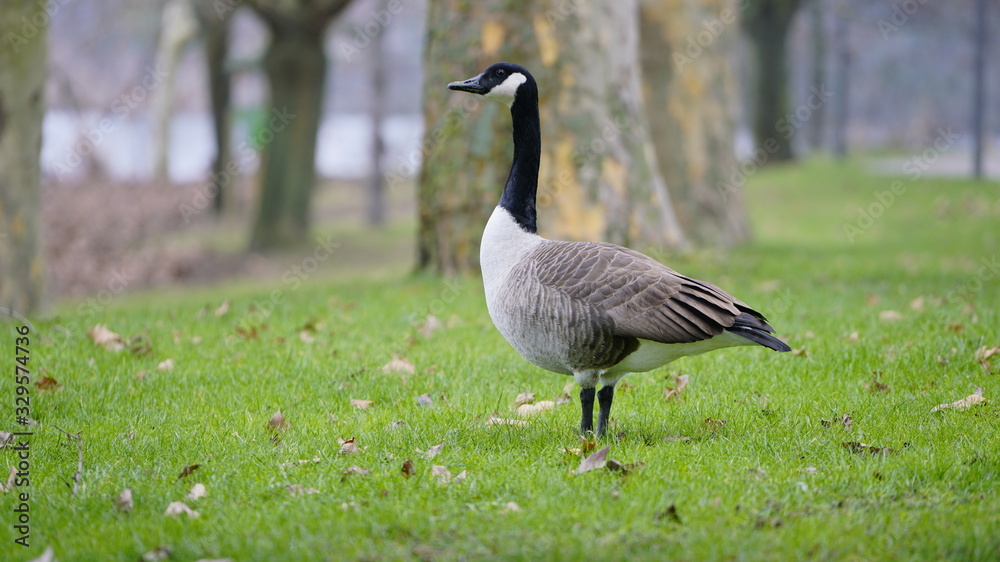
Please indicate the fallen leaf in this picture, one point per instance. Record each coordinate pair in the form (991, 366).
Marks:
(197, 492)
(872, 299)
(277, 422)
(714, 424)
(800, 352)
(563, 398)
(247, 334)
(178, 508)
(298, 490)
(494, 420)
(362, 404)
(348, 446)
(624, 468)
(963, 404)
(676, 438)
(188, 470)
(432, 452)
(853, 336)
(681, 382)
(876, 385)
(306, 337)
(103, 337)
(141, 375)
(355, 469)
(594, 461)
(47, 383)
(917, 303)
(857, 447)
(587, 445)
(425, 400)
(984, 353)
(159, 553)
(166, 365)
(670, 514)
(538, 407)
(407, 469)
(431, 325)
(524, 398)
(399, 365)
(810, 470)
(222, 309)
(5, 437)
(301, 462)
(123, 502)
(196, 340)
(349, 505)
(140, 346)
(461, 476)
(11, 478)
(510, 507)
(844, 420)
(442, 473)
(890, 315)
(397, 424)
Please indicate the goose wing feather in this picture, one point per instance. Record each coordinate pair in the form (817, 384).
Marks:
(636, 295)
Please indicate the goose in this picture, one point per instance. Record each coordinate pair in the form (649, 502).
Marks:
(591, 310)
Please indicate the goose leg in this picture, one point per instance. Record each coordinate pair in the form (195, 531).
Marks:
(587, 404)
(604, 399)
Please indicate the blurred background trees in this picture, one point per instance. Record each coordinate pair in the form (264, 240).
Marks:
(307, 116)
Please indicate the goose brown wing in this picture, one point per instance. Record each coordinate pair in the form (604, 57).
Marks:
(636, 294)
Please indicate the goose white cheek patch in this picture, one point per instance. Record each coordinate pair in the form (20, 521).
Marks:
(506, 91)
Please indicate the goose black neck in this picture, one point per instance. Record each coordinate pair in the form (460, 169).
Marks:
(522, 182)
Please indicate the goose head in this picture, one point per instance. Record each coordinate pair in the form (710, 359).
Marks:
(502, 81)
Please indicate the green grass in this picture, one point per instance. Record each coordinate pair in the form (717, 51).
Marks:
(772, 482)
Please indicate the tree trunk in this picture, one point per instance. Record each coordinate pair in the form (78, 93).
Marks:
(767, 23)
(691, 94)
(215, 34)
(23, 66)
(295, 64)
(598, 177)
(841, 86)
(979, 89)
(376, 179)
(179, 26)
(817, 22)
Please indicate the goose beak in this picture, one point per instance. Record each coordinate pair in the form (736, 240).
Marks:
(471, 85)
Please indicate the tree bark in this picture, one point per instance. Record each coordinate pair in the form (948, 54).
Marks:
(376, 179)
(295, 64)
(690, 89)
(598, 178)
(767, 23)
(23, 66)
(215, 34)
(179, 26)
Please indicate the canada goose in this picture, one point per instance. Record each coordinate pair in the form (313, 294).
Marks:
(593, 310)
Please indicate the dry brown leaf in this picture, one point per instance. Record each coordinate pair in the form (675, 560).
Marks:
(298, 490)
(494, 420)
(397, 424)
(984, 353)
(123, 502)
(800, 352)
(594, 461)
(362, 404)
(166, 365)
(159, 553)
(179, 508)
(538, 407)
(876, 385)
(355, 469)
(197, 492)
(11, 478)
(306, 337)
(563, 399)
(425, 400)
(714, 424)
(399, 365)
(103, 337)
(461, 476)
(963, 404)
(890, 315)
(442, 473)
(222, 309)
(510, 507)
(670, 514)
(846, 420)
(681, 382)
(431, 325)
(432, 452)
(524, 398)
(187, 470)
(348, 446)
(48, 383)
(677, 438)
(917, 303)
(5, 437)
(853, 336)
(857, 447)
(277, 422)
(301, 462)
(407, 469)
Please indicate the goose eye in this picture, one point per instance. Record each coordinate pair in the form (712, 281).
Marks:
(500, 72)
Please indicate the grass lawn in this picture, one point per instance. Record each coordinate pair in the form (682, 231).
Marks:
(750, 463)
